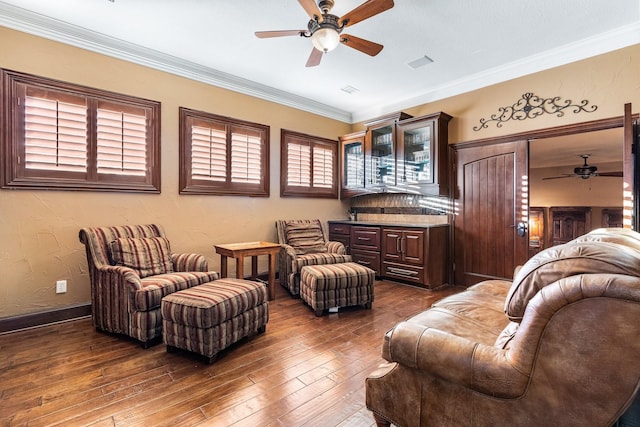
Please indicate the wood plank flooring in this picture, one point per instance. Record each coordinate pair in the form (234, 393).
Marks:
(304, 371)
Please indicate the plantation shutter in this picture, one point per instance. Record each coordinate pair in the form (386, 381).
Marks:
(246, 156)
(121, 141)
(322, 167)
(222, 156)
(209, 153)
(309, 166)
(67, 137)
(55, 131)
(299, 164)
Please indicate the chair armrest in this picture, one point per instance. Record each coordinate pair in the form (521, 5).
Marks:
(482, 368)
(336, 248)
(288, 251)
(118, 275)
(189, 262)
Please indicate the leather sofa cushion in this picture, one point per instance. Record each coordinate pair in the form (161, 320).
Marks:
(565, 260)
(148, 256)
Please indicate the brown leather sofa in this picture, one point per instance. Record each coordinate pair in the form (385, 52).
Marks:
(560, 345)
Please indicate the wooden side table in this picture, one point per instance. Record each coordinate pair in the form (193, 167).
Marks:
(252, 249)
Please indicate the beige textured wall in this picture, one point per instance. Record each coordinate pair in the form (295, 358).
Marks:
(38, 229)
(608, 81)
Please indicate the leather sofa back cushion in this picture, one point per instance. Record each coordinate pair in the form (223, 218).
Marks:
(148, 256)
(621, 236)
(561, 261)
(305, 237)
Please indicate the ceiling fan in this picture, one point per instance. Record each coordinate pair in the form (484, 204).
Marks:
(585, 171)
(325, 29)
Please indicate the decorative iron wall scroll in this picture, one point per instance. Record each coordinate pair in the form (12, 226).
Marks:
(532, 106)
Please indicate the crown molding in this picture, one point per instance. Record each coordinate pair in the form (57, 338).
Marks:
(22, 20)
(618, 38)
(32, 23)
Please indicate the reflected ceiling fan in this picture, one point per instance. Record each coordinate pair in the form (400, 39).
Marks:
(586, 171)
(325, 29)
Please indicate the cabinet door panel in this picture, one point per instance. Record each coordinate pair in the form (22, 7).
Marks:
(353, 164)
(413, 246)
(391, 248)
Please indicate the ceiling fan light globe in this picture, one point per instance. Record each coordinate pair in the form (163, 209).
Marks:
(325, 39)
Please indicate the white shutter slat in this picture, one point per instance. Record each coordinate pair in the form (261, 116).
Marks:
(121, 142)
(208, 154)
(55, 135)
(299, 164)
(323, 167)
(246, 156)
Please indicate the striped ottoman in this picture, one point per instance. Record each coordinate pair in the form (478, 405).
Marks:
(210, 317)
(336, 285)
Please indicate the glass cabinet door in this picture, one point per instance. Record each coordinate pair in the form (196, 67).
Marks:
(417, 152)
(353, 163)
(382, 169)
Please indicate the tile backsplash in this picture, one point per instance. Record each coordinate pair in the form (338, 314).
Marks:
(402, 208)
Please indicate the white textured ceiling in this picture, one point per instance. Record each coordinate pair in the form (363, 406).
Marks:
(472, 43)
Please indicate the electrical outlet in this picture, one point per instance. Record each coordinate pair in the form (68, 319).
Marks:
(61, 286)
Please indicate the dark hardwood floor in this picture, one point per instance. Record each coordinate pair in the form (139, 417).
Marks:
(304, 370)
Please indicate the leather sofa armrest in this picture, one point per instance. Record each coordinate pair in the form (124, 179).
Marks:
(336, 248)
(483, 368)
(189, 262)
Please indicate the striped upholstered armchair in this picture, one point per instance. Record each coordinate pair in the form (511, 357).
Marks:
(305, 242)
(131, 269)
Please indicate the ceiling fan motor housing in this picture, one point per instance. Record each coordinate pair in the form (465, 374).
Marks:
(585, 171)
(328, 21)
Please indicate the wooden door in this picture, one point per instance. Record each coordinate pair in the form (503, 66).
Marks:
(567, 223)
(631, 171)
(491, 201)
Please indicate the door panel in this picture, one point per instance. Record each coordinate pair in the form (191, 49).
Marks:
(413, 250)
(491, 201)
(391, 245)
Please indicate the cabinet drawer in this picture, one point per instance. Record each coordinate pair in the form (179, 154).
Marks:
(340, 229)
(367, 238)
(403, 272)
(368, 259)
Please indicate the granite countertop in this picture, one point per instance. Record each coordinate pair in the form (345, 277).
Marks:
(385, 223)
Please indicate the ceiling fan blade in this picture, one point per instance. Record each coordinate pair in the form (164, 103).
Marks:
(365, 10)
(267, 34)
(365, 46)
(311, 8)
(617, 174)
(563, 176)
(314, 58)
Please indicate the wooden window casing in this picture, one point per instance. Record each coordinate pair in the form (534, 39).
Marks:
(62, 136)
(222, 156)
(309, 166)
